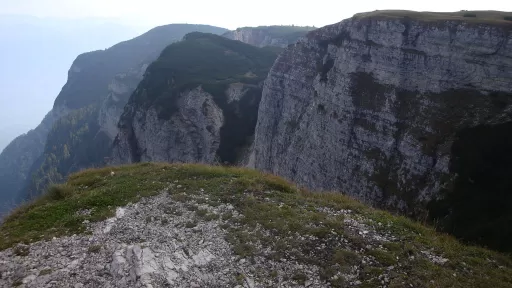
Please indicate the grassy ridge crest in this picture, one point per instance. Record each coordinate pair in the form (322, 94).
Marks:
(277, 215)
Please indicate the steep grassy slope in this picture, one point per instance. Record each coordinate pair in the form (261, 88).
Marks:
(347, 243)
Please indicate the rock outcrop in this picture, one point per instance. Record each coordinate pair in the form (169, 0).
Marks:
(262, 36)
(197, 103)
(190, 135)
(389, 107)
(120, 90)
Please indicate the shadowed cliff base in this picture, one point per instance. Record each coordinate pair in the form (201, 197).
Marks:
(479, 206)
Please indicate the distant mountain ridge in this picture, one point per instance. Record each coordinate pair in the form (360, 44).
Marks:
(99, 85)
(35, 55)
(89, 79)
(87, 82)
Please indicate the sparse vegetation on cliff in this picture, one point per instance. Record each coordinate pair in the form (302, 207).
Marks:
(72, 143)
(487, 17)
(200, 59)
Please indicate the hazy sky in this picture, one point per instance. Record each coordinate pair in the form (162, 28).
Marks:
(232, 13)
(35, 55)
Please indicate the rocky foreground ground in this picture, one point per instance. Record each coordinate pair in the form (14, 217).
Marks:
(212, 231)
(159, 242)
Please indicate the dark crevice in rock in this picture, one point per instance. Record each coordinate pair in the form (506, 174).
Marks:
(406, 21)
(367, 93)
(341, 38)
(453, 32)
(415, 41)
(239, 124)
(367, 57)
(126, 128)
(326, 67)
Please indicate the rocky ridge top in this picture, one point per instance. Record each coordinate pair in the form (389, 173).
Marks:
(200, 226)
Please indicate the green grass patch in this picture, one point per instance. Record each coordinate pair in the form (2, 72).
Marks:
(201, 212)
(384, 257)
(94, 249)
(240, 279)
(21, 250)
(211, 217)
(191, 207)
(180, 197)
(55, 213)
(191, 224)
(300, 277)
(345, 257)
(227, 215)
(244, 250)
(45, 272)
(59, 192)
(469, 15)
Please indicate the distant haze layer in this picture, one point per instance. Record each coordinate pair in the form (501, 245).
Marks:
(35, 61)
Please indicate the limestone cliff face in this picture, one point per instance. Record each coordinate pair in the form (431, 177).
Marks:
(200, 131)
(198, 102)
(120, 89)
(278, 36)
(255, 37)
(190, 135)
(376, 106)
